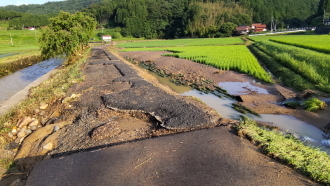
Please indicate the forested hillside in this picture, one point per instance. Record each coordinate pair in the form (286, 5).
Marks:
(179, 18)
(8, 15)
(52, 7)
(198, 18)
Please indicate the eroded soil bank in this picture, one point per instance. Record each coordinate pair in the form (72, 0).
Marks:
(190, 71)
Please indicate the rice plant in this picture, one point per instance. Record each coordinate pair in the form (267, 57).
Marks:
(311, 65)
(231, 57)
(284, 74)
(320, 43)
(182, 42)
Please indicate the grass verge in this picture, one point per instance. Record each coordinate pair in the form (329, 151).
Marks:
(307, 160)
(11, 64)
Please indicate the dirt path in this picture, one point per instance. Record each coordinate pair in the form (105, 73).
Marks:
(119, 111)
(261, 103)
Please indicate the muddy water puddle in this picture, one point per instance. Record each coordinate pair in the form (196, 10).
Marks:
(166, 81)
(13, 83)
(7, 54)
(223, 106)
(240, 88)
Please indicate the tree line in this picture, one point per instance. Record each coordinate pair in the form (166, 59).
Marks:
(197, 18)
(71, 6)
(179, 18)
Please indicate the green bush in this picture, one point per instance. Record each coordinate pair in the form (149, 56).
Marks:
(314, 104)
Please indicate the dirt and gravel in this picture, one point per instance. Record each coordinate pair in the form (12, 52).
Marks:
(261, 103)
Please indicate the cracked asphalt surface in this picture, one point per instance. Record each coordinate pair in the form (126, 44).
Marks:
(171, 111)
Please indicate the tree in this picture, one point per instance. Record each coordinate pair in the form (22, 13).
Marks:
(227, 29)
(66, 34)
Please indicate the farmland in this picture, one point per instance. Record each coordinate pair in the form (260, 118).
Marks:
(22, 53)
(231, 57)
(312, 66)
(299, 61)
(23, 40)
(182, 42)
(315, 42)
(319, 43)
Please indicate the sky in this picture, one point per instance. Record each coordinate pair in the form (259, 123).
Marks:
(21, 2)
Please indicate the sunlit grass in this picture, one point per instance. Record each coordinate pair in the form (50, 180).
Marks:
(306, 159)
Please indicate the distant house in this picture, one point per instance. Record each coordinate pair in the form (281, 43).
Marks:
(258, 27)
(106, 38)
(31, 28)
(242, 30)
(326, 22)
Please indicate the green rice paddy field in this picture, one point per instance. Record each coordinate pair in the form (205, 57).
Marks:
(320, 43)
(231, 57)
(182, 42)
(23, 40)
(22, 53)
(299, 61)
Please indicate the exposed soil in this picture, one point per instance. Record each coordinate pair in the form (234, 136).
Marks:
(261, 103)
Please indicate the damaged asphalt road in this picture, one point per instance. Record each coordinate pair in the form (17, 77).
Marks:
(111, 89)
(173, 112)
(119, 148)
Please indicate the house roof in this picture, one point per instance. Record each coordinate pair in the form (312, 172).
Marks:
(262, 26)
(106, 36)
(259, 25)
(241, 28)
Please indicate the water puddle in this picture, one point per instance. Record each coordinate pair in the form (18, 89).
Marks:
(13, 83)
(8, 54)
(289, 124)
(166, 81)
(223, 106)
(239, 88)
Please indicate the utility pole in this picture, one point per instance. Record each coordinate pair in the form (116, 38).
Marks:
(272, 25)
(35, 34)
(11, 40)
